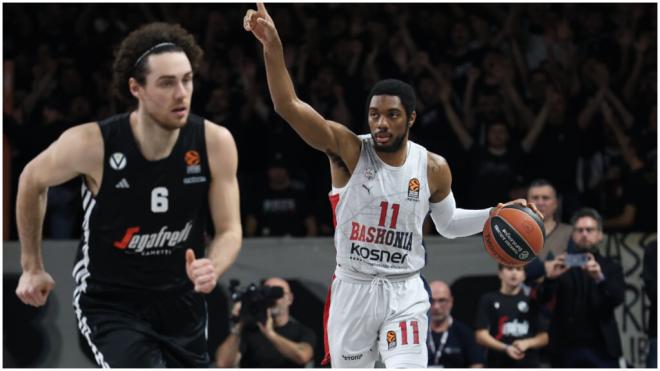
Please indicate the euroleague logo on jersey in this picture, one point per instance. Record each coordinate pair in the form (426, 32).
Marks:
(193, 162)
(391, 340)
(413, 189)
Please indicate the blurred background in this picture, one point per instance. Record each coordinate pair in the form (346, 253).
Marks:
(564, 92)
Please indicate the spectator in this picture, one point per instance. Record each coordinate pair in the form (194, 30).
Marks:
(509, 323)
(611, 47)
(451, 344)
(557, 234)
(282, 208)
(640, 188)
(282, 342)
(583, 329)
(498, 162)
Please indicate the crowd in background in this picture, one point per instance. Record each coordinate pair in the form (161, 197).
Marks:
(506, 93)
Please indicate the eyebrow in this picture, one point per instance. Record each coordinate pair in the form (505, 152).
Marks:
(168, 77)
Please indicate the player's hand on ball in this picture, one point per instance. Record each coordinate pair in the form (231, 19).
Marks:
(522, 202)
(201, 272)
(34, 287)
(260, 24)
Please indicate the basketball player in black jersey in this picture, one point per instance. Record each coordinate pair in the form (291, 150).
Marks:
(150, 178)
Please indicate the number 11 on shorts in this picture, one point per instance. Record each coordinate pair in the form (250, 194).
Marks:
(404, 332)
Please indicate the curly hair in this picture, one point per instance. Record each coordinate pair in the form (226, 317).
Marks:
(131, 57)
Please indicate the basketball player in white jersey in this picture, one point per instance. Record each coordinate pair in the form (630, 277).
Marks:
(383, 186)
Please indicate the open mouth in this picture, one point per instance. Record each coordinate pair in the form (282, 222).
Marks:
(180, 112)
(382, 138)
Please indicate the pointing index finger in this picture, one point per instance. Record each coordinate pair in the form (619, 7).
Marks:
(261, 7)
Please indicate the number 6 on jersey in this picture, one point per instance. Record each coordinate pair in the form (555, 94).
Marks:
(159, 203)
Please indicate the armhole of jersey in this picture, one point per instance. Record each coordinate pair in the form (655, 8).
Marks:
(339, 190)
(205, 164)
(425, 160)
(103, 161)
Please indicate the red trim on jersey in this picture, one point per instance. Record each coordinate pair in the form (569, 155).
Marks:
(334, 200)
(326, 314)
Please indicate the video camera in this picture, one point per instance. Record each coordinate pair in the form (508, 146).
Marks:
(255, 301)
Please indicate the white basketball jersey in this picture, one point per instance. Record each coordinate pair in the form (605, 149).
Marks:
(380, 212)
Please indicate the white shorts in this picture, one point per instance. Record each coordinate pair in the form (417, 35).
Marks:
(385, 317)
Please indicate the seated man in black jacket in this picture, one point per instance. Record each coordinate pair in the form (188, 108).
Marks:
(583, 329)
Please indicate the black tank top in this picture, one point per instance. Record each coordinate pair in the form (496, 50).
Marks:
(145, 216)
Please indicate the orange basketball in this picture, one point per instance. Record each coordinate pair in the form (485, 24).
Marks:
(514, 235)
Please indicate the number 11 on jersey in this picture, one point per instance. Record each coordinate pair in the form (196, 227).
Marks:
(383, 214)
(404, 332)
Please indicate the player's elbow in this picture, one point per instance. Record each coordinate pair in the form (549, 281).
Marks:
(29, 181)
(284, 107)
(446, 234)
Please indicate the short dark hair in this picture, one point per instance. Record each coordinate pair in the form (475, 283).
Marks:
(588, 212)
(501, 266)
(130, 58)
(540, 182)
(398, 88)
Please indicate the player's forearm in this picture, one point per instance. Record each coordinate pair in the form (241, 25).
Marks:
(30, 212)
(280, 85)
(224, 249)
(307, 123)
(452, 222)
(300, 353)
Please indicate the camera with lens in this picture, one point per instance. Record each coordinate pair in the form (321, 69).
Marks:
(255, 301)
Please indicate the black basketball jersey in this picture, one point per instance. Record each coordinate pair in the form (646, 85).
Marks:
(144, 217)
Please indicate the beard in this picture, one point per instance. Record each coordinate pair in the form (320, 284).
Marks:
(397, 143)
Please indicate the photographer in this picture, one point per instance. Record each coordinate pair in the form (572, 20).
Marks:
(280, 342)
(588, 288)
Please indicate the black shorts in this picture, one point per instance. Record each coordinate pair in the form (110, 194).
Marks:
(169, 332)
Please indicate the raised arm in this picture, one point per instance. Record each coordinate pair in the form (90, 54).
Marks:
(326, 136)
(57, 164)
(454, 120)
(539, 121)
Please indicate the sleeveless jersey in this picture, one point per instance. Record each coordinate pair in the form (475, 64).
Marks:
(144, 217)
(380, 212)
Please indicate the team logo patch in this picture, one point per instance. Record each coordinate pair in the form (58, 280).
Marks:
(193, 161)
(370, 173)
(523, 307)
(117, 161)
(391, 340)
(413, 189)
